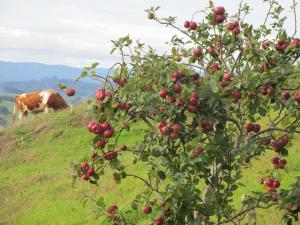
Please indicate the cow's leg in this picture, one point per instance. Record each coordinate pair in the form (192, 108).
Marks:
(21, 115)
(25, 114)
(46, 110)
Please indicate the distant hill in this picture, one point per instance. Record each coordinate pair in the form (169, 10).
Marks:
(19, 71)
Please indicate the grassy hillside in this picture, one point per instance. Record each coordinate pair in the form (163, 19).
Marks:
(35, 183)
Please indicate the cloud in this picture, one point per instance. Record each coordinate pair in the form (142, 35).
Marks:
(76, 32)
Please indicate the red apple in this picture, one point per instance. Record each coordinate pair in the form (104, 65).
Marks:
(214, 67)
(108, 133)
(297, 96)
(227, 76)
(163, 93)
(100, 143)
(85, 165)
(123, 147)
(236, 31)
(85, 177)
(230, 26)
(256, 128)
(159, 221)
(249, 127)
(106, 126)
(187, 24)
(100, 95)
(165, 130)
(197, 52)
(94, 155)
(177, 88)
(285, 94)
(236, 94)
(219, 10)
(177, 75)
(177, 128)
(195, 76)
(276, 184)
(295, 43)
(193, 25)
(70, 92)
(219, 18)
(264, 90)
(270, 91)
(147, 209)
(211, 50)
(90, 172)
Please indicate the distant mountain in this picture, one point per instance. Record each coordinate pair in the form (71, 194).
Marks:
(19, 71)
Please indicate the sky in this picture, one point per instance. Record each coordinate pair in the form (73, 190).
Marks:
(79, 32)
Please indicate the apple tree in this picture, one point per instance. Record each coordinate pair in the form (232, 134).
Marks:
(225, 93)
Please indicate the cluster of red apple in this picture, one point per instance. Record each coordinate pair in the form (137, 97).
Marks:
(110, 155)
(278, 163)
(101, 94)
(270, 184)
(166, 130)
(267, 90)
(281, 45)
(101, 128)
(226, 79)
(280, 143)
(207, 125)
(197, 152)
(86, 171)
(234, 27)
(249, 127)
(190, 25)
(124, 106)
(193, 102)
(120, 81)
(219, 13)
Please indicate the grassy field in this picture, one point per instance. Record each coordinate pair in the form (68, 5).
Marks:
(35, 183)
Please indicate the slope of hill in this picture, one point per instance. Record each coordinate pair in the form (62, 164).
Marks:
(19, 71)
(35, 183)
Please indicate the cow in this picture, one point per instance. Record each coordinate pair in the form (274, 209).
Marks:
(36, 102)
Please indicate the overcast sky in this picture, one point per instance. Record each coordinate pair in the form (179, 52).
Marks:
(78, 32)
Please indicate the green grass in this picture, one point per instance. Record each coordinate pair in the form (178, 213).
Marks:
(35, 183)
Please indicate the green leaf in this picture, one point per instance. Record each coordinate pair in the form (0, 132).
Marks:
(94, 65)
(84, 74)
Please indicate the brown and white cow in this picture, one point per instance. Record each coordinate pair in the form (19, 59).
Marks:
(36, 102)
